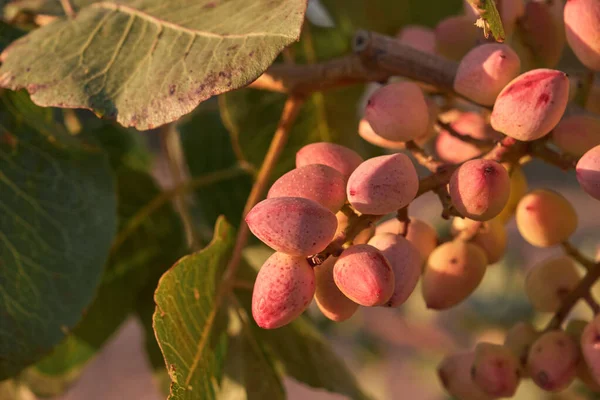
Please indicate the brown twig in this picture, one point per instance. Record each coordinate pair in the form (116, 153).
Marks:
(348, 211)
(575, 254)
(290, 112)
(387, 54)
(540, 150)
(423, 157)
(239, 284)
(592, 303)
(404, 219)
(310, 78)
(506, 150)
(439, 178)
(465, 138)
(448, 208)
(68, 8)
(377, 57)
(355, 225)
(581, 292)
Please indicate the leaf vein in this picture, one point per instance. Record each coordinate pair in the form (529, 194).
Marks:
(133, 11)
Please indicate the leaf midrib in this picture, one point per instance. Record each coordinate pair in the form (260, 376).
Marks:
(171, 25)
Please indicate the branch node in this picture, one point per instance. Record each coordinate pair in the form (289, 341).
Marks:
(485, 144)
(404, 219)
(448, 208)
(581, 292)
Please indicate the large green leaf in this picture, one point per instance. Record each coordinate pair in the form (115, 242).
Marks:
(148, 62)
(136, 261)
(208, 148)
(210, 348)
(57, 220)
(190, 320)
(248, 373)
(145, 311)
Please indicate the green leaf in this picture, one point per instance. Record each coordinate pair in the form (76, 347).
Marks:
(144, 310)
(137, 260)
(189, 321)
(210, 348)
(208, 148)
(489, 19)
(148, 62)
(57, 221)
(246, 357)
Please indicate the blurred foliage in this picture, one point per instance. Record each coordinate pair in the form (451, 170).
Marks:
(137, 259)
